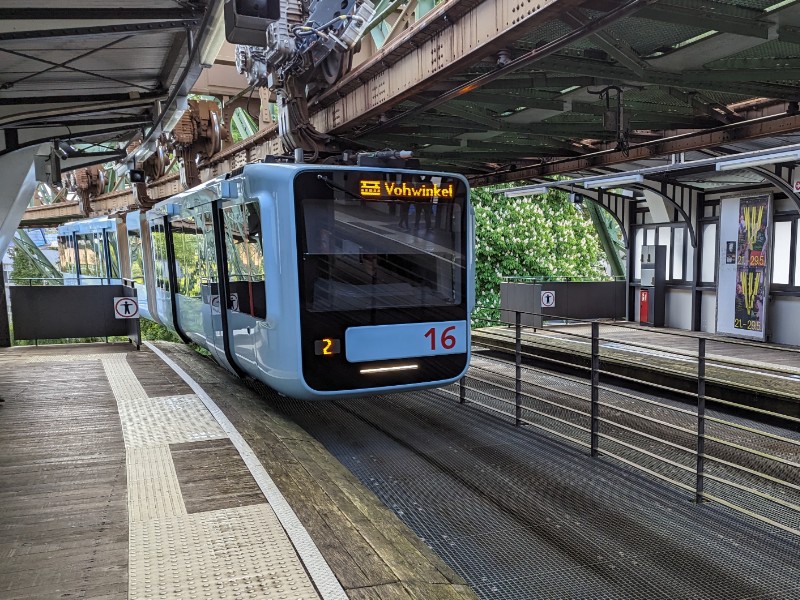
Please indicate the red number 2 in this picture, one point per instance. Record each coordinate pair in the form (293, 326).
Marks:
(447, 340)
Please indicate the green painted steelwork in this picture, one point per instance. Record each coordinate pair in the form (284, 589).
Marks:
(612, 248)
(23, 242)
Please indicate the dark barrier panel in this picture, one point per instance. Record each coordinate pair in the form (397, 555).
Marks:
(134, 325)
(569, 299)
(5, 335)
(68, 311)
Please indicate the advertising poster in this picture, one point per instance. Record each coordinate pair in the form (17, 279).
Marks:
(751, 263)
(743, 272)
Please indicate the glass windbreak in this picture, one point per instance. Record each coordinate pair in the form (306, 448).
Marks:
(367, 250)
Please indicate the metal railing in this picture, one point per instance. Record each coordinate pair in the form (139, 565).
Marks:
(739, 454)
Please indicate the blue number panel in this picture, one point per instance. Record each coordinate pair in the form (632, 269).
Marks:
(407, 340)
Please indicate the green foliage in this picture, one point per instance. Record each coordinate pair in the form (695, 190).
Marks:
(532, 236)
(154, 332)
(23, 266)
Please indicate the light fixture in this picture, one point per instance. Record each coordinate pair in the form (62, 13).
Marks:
(387, 369)
(535, 191)
(754, 161)
(616, 180)
(215, 36)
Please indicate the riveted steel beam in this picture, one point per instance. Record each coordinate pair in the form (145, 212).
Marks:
(116, 13)
(100, 30)
(709, 15)
(615, 46)
(757, 128)
(744, 87)
(484, 30)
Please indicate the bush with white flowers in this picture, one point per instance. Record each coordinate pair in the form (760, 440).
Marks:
(530, 236)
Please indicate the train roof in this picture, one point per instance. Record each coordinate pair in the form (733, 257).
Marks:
(88, 225)
(279, 172)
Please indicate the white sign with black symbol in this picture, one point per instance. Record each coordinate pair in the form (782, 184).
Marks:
(234, 301)
(126, 308)
(548, 299)
(214, 301)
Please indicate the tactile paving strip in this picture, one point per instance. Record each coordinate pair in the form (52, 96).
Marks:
(315, 564)
(167, 420)
(46, 358)
(153, 489)
(230, 553)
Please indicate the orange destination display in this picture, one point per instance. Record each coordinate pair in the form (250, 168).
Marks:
(371, 189)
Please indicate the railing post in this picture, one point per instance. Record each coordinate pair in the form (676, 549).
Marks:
(518, 374)
(595, 407)
(462, 390)
(701, 417)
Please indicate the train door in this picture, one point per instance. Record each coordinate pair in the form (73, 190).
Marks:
(212, 307)
(244, 278)
(161, 304)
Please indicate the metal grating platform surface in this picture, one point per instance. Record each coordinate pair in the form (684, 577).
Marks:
(523, 516)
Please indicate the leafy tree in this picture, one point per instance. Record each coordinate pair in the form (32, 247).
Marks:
(530, 236)
(22, 265)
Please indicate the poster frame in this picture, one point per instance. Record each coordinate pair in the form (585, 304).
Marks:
(722, 239)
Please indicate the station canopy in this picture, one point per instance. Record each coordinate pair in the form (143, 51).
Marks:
(96, 74)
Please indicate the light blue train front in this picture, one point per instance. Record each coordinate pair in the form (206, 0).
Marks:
(307, 278)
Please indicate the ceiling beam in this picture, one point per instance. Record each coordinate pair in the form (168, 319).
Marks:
(714, 16)
(382, 82)
(582, 66)
(526, 59)
(101, 30)
(114, 13)
(615, 46)
(757, 128)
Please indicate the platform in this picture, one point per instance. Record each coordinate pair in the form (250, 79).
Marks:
(766, 376)
(118, 479)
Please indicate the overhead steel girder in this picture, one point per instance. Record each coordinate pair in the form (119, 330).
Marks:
(768, 126)
(115, 13)
(100, 30)
(713, 16)
(523, 61)
(618, 48)
(484, 30)
(581, 66)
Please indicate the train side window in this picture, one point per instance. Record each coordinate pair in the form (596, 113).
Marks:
(87, 255)
(137, 260)
(62, 254)
(113, 254)
(70, 256)
(160, 256)
(188, 266)
(245, 259)
(98, 240)
(208, 256)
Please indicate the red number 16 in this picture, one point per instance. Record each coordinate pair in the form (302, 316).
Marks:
(447, 341)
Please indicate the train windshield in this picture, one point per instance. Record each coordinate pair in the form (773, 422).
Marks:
(367, 242)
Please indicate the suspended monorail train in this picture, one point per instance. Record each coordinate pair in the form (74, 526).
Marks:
(320, 281)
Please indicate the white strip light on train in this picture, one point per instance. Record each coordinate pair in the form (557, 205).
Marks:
(387, 369)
